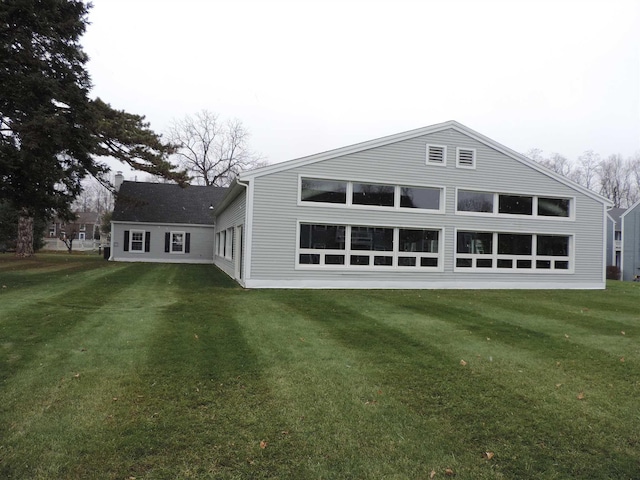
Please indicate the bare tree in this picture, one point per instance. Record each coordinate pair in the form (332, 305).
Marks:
(588, 168)
(212, 150)
(615, 181)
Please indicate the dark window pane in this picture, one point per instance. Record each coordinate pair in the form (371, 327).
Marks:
(484, 263)
(372, 238)
(543, 264)
(334, 259)
(475, 242)
(407, 261)
(413, 197)
(504, 263)
(418, 240)
(322, 236)
(553, 207)
(469, 201)
(523, 264)
(514, 244)
(309, 259)
(382, 260)
(561, 265)
(464, 262)
(327, 191)
(553, 245)
(359, 260)
(371, 194)
(428, 262)
(515, 205)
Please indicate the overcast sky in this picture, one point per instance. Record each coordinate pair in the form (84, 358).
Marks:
(309, 76)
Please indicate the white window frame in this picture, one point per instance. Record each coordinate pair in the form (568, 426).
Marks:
(349, 199)
(473, 158)
(494, 256)
(534, 205)
(347, 252)
(444, 155)
(184, 241)
(228, 249)
(131, 234)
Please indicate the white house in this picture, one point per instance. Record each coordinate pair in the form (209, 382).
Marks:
(437, 207)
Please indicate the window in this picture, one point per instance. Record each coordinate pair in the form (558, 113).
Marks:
(420, 197)
(466, 158)
(228, 248)
(469, 201)
(372, 247)
(515, 204)
(511, 204)
(223, 243)
(553, 207)
(83, 227)
(179, 242)
(372, 194)
(325, 191)
(436, 155)
(508, 251)
(137, 241)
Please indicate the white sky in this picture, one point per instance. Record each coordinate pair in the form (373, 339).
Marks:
(308, 76)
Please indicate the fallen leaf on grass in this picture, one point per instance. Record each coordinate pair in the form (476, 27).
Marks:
(580, 396)
(77, 375)
(488, 455)
(370, 402)
(623, 333)
(566, 336)
(285, 432)
(463, 363)
(622, 359)
(449, 472)
(432, 474)
(263, 444)
(195, 335)
(558, 385)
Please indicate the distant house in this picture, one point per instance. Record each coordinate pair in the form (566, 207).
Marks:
(437, 207)
(630, 220)
(84, 230)
(154, 222)
(614, 237)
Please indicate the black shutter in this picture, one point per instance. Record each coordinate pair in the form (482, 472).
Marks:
(167, 242)
(187, 243)
(147, 241)
(126, 240)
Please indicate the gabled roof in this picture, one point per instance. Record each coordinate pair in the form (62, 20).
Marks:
(615, 213)
(630, 209)
(379, 142)
(166, 203)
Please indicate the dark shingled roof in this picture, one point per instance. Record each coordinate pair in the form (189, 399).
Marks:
(166, 203)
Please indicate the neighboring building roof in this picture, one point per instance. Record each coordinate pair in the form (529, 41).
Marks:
(166, 203)
(378, 142)
(616, 213)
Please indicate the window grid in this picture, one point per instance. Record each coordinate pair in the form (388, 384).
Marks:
(503, 204)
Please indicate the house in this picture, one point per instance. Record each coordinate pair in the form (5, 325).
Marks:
(85, 231)
(155, 222)
(437, 207)
(614, 237)
(630, 220)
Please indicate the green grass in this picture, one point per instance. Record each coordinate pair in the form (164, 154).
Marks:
(114, 371)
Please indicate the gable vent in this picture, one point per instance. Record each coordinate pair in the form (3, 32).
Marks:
(436, 154)
(466, 157)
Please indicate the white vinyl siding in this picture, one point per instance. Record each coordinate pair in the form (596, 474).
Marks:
(278, 211)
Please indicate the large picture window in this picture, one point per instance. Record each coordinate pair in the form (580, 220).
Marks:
(509, 251)
(355, 246)
(371, 195)
(510, 204)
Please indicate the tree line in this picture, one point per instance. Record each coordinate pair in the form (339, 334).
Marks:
(614, 177)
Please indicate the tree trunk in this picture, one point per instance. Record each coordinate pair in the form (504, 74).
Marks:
(24, 247)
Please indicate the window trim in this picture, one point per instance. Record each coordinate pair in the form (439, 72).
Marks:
(184, 241)
(444, 155)
(473, 158)
(346, 267)
(349, 200)
(495, 256)
(143, 233)
(534, 205)
(229, 243)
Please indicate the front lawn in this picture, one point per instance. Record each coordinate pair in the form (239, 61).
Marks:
(119, 371)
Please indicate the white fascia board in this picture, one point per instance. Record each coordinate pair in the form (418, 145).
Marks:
(632, 207)
(163, 224)
(423, 285)
(235, 189)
